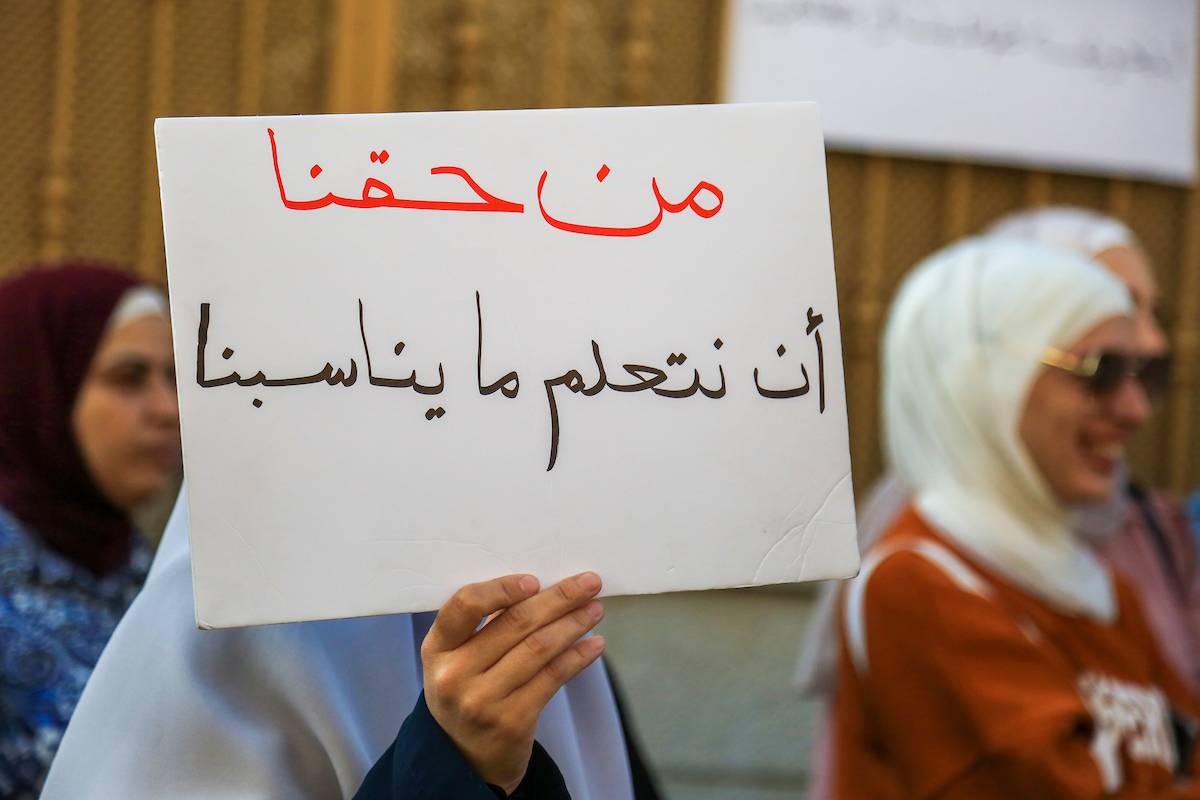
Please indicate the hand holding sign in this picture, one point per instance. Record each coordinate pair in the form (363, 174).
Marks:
(487, 686)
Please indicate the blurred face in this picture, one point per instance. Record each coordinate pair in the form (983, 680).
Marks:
(1133, 269)
(1076, 437)
(126, 418)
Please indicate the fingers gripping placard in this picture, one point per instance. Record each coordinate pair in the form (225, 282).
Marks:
(429, 349)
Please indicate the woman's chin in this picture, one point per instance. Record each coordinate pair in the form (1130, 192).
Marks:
(1092, 488)
(137, 494)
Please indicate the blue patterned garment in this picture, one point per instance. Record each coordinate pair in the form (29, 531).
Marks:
(55, 618)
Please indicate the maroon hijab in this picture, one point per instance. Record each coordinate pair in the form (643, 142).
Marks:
(51, 322)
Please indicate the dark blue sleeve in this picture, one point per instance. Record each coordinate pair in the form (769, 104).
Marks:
(423, 763)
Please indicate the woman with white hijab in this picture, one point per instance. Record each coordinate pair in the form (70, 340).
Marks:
(287, 711)
(1114, 246)
(1140, 533)
(987, 651)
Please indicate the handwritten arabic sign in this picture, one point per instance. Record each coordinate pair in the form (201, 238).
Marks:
(419, 350)
(1104, 86)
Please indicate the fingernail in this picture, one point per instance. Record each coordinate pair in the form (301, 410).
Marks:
(528, 584)
(589, 582)
(594, 643)
(595, 611)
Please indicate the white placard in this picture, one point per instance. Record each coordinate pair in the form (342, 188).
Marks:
(355, 298)
(1104, 86)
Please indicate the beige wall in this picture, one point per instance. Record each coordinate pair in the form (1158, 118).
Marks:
(81, 81)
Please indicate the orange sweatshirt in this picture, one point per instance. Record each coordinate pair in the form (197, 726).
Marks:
(955, 684)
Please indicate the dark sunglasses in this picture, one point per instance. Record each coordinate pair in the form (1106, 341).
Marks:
(1104, 371)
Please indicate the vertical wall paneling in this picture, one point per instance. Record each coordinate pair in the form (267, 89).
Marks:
(29, 31)
(56, 187)
(363, 61)
(468, 41)
(150, 261)
(638, 52)
(297, 57)
(344, 51)
(1120, 198)
(1037, 188)
(868, 319)
(250, 56)
(554, 62)
(379, 67)
(956, 210)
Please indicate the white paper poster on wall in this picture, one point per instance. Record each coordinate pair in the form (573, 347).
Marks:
(422, 350)
(1099, 86)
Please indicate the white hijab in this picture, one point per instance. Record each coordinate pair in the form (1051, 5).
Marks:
(138, 302)
(1079, 229)
(1089, 233)
(962, 346)
(284, 711)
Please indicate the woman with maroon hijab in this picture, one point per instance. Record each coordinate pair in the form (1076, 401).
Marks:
(88, 432)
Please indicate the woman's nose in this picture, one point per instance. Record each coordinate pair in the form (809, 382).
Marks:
(163, 400)
(1130, 403)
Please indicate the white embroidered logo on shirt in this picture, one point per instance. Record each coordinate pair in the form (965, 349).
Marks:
(1128, 717)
